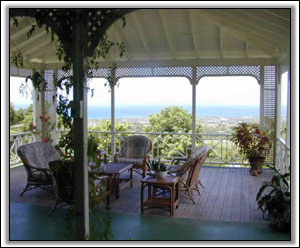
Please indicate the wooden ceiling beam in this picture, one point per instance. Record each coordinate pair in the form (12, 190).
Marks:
(244, 34)
(193, 28)
(25, 41)
(284, 14)
(140, 32)
(254, 24)
(268, 18)
(167, 32)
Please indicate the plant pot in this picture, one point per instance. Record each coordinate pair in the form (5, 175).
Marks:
(161, 174)
(256, 164)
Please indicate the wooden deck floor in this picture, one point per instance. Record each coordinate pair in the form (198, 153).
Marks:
(229, 195)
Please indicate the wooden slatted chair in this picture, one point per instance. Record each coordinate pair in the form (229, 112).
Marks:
(136, 149)
(36, 157)
(189, 173)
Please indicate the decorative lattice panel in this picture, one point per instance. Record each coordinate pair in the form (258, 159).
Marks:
(173, 71)
(269, 105)
(133, 72)
(154, 72)
(19, 72)
(101, 72)
(61, 74)
(228, 71)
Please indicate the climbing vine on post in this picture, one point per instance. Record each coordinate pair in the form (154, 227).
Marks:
(95, 44)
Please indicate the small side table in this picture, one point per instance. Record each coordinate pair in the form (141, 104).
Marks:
(169, 183)
(114, 172)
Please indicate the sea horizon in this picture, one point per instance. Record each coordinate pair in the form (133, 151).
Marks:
(144, 111)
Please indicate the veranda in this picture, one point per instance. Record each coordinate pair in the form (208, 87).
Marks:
(184, 43)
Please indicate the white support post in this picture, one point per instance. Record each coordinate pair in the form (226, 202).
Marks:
(288, 121)
(113, 111)
(35, 111)
(42, 101)
(262, 101)
(278, 102)
(194, 84)
(55, 133)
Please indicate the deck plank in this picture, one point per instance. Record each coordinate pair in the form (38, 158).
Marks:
(229, 195)
(220, 201)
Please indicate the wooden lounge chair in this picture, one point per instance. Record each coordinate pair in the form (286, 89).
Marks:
(189, 172)
(136, 149)
(36, 157)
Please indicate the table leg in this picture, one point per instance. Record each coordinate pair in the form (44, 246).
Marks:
(172, 189)
(142, 198)
(177, 194)
(117, 185)
(108, 191)
(131, 182)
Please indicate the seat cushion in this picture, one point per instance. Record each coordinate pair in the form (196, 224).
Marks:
(135, 146)
(135, 161)
(38, 154)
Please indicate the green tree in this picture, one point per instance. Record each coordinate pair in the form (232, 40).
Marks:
(172, 120)
(102, 135)
(21, 117)
(12, 114)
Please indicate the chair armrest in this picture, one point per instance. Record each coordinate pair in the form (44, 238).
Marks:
(178, 160)
(37, 168)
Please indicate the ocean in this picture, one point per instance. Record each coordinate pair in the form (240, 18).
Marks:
(143, 111)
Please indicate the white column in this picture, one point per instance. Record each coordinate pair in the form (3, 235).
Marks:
(194, 84)
(278, 102)
(113, 127)
(42, 102)
(288, 120)
(261, 105)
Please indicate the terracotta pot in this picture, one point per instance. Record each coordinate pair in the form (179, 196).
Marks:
(256, 164)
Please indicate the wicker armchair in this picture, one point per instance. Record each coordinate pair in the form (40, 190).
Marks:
(136, 149)
(189, 172)
(36, 157)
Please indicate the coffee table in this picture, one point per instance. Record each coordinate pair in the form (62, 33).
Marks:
(115, 172)
(168, 183)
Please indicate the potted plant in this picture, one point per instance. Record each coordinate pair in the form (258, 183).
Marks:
(253, 144)
(159, 168)
(274, 198)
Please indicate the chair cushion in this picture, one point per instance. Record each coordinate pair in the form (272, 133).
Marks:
(135, 161)
(38, 154)
(135, 146)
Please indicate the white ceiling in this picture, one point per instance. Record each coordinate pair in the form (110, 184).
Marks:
(179, 35)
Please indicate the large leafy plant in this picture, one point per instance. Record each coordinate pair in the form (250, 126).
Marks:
(251, 141)
(274, 200)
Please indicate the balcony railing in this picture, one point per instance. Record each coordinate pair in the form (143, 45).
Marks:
(15, 141)
(165, 145)
(223, 151)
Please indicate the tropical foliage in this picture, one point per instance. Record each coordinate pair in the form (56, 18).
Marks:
(274, 200)
(21, 119)
(172, 119)
(252, 142)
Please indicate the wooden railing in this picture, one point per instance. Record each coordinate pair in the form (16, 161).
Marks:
(15, 141)
(223, 150)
